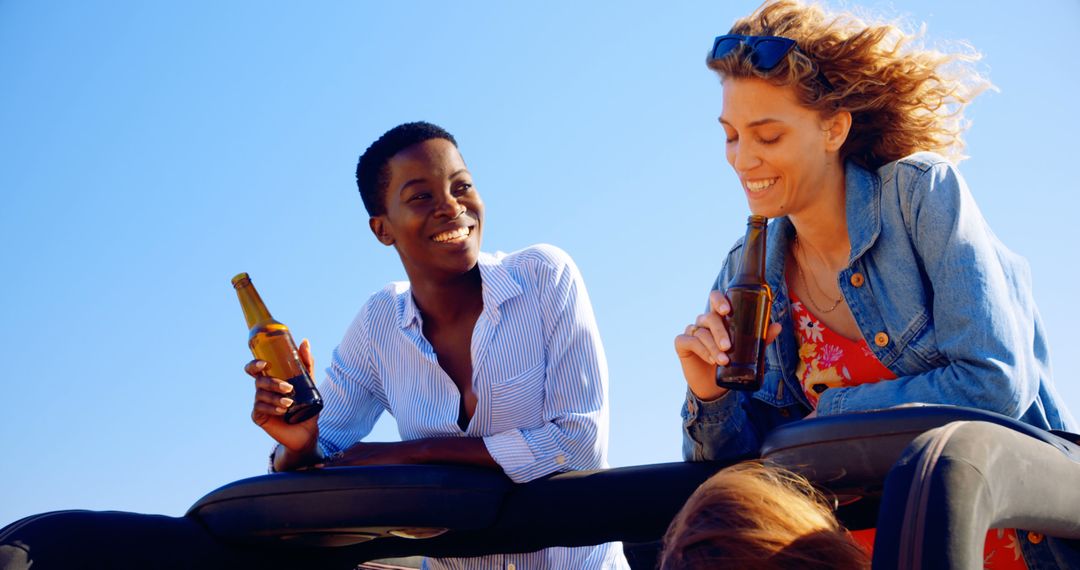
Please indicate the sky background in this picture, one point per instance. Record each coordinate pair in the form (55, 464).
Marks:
(149, 151)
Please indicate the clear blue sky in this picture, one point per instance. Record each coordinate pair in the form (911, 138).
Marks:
(149, 151)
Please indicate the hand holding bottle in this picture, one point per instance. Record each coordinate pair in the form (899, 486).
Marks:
(704, 345)
(272, 402)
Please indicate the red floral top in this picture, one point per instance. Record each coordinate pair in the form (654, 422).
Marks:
(829, 360)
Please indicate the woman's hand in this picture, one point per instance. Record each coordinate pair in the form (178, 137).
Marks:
(703, 346)
(271, 403)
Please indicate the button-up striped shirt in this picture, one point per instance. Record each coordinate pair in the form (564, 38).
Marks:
(539, 374)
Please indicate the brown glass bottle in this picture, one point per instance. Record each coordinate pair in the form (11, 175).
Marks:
(270, 340)
(751, 301)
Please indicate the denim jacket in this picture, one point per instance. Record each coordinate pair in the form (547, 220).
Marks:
(942, 303)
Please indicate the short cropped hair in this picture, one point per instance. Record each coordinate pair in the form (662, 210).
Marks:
(754, 517)
(372, 171)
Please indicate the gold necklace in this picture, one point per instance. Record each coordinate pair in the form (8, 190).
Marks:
(809, 291)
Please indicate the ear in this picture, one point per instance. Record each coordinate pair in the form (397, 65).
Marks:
(837, 128)
(381, 228)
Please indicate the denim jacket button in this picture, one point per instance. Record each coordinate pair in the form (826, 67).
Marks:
(1035, 537)
(857, 279)
(881, 339)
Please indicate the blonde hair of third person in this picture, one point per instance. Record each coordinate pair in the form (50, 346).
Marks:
(750, 516)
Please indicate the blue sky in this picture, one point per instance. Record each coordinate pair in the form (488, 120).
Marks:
(149, 151)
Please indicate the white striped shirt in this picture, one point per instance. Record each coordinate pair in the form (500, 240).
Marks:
(539, 374)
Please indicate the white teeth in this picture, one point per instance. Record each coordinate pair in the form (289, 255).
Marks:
(453, 235)
(759, 185)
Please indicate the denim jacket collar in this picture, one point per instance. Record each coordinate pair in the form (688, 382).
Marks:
(863, 212)
(863, 208)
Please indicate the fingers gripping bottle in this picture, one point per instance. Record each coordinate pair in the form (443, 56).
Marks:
(270, 340)
(751, 300)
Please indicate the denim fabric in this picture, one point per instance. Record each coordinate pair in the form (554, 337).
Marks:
(1047, 552)
(942, 303)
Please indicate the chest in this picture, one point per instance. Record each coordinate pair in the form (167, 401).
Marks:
(823, 300)
(452, 344)
(495, 370)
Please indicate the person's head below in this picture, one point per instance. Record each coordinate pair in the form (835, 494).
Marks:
(804, 88)
(753, 517)
(421, 200)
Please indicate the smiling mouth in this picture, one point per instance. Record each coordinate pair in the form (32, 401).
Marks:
(453, 236)
(755, 186)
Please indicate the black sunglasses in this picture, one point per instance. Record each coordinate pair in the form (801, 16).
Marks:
(766, 52)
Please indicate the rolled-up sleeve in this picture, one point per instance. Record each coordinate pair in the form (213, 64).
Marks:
(574, 431)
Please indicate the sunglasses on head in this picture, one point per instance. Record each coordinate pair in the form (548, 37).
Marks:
(766, 52)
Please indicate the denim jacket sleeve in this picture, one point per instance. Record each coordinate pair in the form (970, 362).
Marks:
(717, 429)
(982, 342)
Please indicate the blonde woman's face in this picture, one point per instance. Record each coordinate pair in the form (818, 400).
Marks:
(779, 149)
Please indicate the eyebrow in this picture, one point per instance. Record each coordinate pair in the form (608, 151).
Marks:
(757, 123)
(424, 180)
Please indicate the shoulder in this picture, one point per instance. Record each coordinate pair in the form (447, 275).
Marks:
(383, 306)
(919, 171)
(537, 255)
(923, 179)
(924, 161)
(539, 261)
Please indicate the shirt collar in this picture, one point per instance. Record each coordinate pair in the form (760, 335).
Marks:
(863, 204)
(496, 281)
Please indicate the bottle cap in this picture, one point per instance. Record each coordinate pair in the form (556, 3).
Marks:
(240, 277)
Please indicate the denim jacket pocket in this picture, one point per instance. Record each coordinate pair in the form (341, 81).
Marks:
(916, 348)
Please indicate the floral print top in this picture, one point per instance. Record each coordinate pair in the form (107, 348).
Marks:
(829, 360)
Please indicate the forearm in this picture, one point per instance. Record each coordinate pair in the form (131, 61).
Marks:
(981, 384)
(287, 460)
(443, 450)
(455, 450)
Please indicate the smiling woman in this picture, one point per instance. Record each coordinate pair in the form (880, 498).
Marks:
(482, 359)
(843, 131)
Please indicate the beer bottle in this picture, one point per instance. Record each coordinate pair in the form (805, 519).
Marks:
(751, 301)
(270, 340)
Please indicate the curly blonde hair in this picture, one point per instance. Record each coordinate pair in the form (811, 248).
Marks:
(753, 517)
(903, 97)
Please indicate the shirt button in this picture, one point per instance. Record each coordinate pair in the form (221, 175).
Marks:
(1035, 537)
(857, 279)
(560, 459)
(881, 339)
(511, 566)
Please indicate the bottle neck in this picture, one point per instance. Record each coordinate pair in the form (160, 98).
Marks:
(752, 265)
(255, 310)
